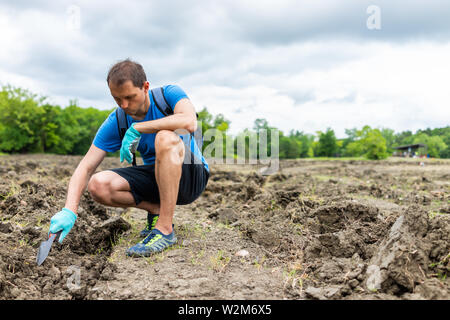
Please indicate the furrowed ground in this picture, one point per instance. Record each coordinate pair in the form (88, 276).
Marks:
(328, 229)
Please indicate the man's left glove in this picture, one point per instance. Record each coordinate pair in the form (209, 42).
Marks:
(130, 144)
(63, 220)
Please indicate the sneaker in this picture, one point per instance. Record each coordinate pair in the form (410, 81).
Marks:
(151, 222)
(155, 242)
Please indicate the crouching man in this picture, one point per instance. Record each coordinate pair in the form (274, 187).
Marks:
(164, 181)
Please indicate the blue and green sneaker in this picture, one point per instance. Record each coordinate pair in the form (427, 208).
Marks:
(151, 222)
(155, 242)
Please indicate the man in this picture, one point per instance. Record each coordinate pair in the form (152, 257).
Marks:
(164, 180)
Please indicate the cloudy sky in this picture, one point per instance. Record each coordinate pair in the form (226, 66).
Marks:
(300, 64)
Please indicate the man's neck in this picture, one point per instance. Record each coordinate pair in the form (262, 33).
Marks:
(145, 108)
(147, 103)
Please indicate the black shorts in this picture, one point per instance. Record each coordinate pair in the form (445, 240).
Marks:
(142, 180)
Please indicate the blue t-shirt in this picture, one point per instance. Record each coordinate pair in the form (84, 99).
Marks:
(108, 138)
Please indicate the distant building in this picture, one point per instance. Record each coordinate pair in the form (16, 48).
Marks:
(410, 150)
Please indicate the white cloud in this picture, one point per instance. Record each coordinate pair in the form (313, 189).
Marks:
(300, 65)
(385, 85)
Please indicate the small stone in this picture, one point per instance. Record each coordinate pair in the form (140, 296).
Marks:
(353, 283)
(323, 293)
(12, 173)
(242, 253)
(5, 227)
(126, 294)
(355, 273)
(15, 292)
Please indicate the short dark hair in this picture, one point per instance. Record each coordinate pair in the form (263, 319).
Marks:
(127, 70)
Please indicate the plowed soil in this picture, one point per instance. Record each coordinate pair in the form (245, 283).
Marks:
(313, 230)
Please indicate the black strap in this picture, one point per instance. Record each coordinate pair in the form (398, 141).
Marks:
(122, 126)
(122, 123)
(161, 102)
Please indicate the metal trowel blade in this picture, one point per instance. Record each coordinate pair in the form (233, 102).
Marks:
(45, 247)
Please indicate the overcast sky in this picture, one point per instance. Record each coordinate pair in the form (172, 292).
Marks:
(304, 65)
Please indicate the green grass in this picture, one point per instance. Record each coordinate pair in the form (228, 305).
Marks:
(13, 190)
(432, 214)
(259, 263)
(435, 204)
(440, 275)
(195, 259)
(219, 261)
(323, 177)
(225, 225)
(193, 230)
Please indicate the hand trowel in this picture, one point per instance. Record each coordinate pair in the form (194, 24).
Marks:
(45, 247)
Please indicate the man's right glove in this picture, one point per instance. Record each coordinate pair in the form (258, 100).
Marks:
(63, 220)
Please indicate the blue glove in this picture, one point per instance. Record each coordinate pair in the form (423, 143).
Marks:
(63, 220)
(130, 144)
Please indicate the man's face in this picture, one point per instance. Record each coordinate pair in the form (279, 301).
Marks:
(130, 98)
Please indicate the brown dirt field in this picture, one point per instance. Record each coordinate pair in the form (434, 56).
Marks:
(329, 229)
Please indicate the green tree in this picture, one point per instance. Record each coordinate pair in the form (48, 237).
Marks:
(403, 138)
(327, 145)
(444, 134)
(50, 137)
(305, 142)
(389, 136)
(435, 144)
(367, 142)
(21, 121)
(289, 147)
(374, 145)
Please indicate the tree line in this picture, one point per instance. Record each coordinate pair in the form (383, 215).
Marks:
(30, 125)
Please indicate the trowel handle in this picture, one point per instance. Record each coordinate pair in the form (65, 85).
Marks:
(57, 235)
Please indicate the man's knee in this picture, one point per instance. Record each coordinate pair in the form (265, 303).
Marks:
(168, 141)
(99, 186)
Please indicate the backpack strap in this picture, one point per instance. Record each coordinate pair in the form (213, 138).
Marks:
(122, 126)
(161, 102)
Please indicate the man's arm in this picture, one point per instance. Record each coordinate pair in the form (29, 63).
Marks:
(184, 118)
(81, 176)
